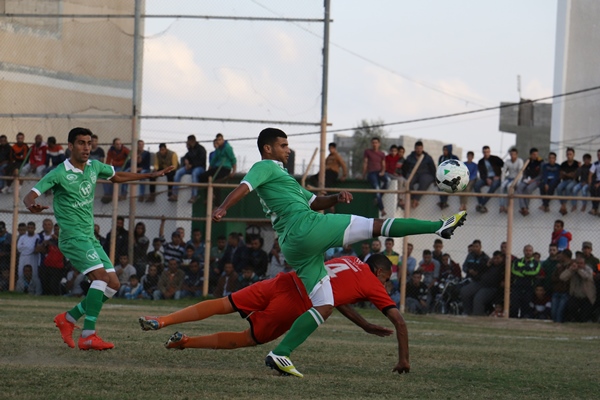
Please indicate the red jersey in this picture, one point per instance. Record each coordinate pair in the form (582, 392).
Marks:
(38, 155)
(353, 281)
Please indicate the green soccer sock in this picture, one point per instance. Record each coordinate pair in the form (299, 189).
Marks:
(93, 304)
(79, 310)
(302, 328)
(399, 227)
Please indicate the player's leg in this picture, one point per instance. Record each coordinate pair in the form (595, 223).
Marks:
(196, 312)
(217, 341)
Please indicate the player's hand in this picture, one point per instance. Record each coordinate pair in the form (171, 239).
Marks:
(378, 330)
(162, 172)
(344, 197)
(403, 366)
(218, 213)
(37, 208)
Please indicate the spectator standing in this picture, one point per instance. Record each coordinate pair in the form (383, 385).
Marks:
(560, 236)
(192, 282)
(550, 177)
(227, 283)
(347, 251)
(170, 281)
(560, 288)
(549, 266)
(416, 294)
(391, 254)
(5, 246)
(194, 163)
(117, 156)
(511, 169)
(20, 150)
(121, 240)
(523, 275)
(478, 294)
(51, 259)
(6, 158)
(98, 236)
(198, 244)
(581, 187)
(365, 251)
(568, 178)
(221, 165)
(26, 248)
(411, 262)
(591, 260)
(140, 248)
(438, 250)
(255, 257)
(37, 158)
(490, 172)
(582, 291)
(430, 269)
(150, 281)
(374, 170)
(216, 254)
(472, 167)
(234, 252)
(173, 250)
(425, 174)
(446, 155)
(476, 261)
(594, 184)
(55, 155)
(333, 164)
(276, 260)
(530, 180)
(163, 159)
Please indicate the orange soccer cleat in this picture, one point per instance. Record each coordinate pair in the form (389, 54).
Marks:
(93, 342)
(66, 329)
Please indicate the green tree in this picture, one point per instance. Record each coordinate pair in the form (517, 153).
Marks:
(362, 141)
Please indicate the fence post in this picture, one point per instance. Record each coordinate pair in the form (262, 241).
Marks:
(15, 236)
(113, 232)
(404, 267)
(207, 234)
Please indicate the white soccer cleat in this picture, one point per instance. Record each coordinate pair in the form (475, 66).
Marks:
(451, 223)
(282, 364)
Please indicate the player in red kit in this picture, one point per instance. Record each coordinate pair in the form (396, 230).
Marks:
(272, 306)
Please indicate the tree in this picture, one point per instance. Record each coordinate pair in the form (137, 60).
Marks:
(362, 140)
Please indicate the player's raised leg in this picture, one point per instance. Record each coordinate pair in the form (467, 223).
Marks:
(197, 312)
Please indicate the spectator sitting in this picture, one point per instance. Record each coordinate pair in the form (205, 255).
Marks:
(163, 159)
(156, 254)
(425, 174)
(550, 177)
(194, 163)
(247, 278)
(582, 291)
(476, 261)
(234, 252)
(511, 169)
(560, 237)
(472, 166)
(37, 158)
(449, 267)
(541, 306)
(193, 282)
(567, 174)
(117, 156)
(173, 250)
(72, 284)
(221, 165)
(121, 239)
(5, 158)
(198, 244)
(276, 260)
(188, 257)
(504, 250)
(446, 155)
(523, 274)
(26, 283)
(560, 288)
(98, 236)
(150, 281)
(393, 291)
(581, 183)
(97, 152)
(5, 246)
(430, 269)
(347, 251)
(365, 251)
(19, 152)
(593, 184)
(134, 289)
(216, 254)
(416, 294)
(530, 180)
(142, 167)
(228, 282)
(256, 257)
(55, 155)
(170, 281)
(490, 172)
(478, 294)
(4, 280)
(124, 270)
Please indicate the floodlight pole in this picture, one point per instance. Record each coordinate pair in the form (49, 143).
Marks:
(324, 94)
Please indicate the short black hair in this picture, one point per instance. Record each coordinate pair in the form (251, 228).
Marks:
(533, 150)
(587, 156)
(221, 237)
(94, 136)
(162, 146)
(418, 143)
(376, 261)
(115, 140)
(219, 135)
(470, 153)
(2, 136)
(191, 137)
(561, 222)
(332, 144)
(375, 138)
(401, 148)
(268, 136)
(120, 218)
(567, 253)
(426, 252)
(389, 240)
(73, 133)
(570, 149)
(486, 147)
(393, 147)
(51, 140)
(551, 154)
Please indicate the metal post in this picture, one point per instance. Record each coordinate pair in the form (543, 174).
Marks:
(113, 230)
(136, 97)
(208, 234)
(324, 94)
(15, 236)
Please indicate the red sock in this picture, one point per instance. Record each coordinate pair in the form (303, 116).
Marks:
(198, 311)
(221, 340)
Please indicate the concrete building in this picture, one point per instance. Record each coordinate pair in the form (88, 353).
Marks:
(66, 65)
(531, 124)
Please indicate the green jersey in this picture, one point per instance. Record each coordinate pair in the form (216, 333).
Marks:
(282, 197)
(74, 196)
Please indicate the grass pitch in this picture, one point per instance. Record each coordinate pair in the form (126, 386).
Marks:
(451, 357)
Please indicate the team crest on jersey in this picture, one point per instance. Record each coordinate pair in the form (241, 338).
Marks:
(85, 189)
(93, 177)
(71, 177)
(92, 255)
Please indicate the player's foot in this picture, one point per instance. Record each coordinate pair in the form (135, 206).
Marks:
(451, 223)
(93, 342)
(150, 323)
(177, 341)
(282, 364)
(66, 329)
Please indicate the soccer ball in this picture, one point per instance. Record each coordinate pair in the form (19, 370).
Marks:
(452, 176)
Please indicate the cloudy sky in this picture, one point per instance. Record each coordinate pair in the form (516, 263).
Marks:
(389, 60)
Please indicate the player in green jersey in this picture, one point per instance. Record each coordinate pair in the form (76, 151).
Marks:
(73, 183)
(304, 234)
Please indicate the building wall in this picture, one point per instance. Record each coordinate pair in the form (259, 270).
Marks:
(68, 66)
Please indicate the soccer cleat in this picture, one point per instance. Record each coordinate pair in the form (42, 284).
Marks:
(451, 223)
(150, 323)
(66, 329)
(93, 342)
(282, 364)
(177, 341)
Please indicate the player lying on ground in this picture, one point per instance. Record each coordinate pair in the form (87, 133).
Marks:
(272, 306)
(74, 183)
(304, 234)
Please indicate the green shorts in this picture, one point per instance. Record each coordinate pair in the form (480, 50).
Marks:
(86, 254)
(307, 238)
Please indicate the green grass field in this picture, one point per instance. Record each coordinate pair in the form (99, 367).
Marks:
(451, 358)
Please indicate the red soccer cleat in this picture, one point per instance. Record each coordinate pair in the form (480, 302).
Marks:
(93, 342)
(66, 329)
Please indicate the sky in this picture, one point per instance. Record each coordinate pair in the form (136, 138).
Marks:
(389, 61)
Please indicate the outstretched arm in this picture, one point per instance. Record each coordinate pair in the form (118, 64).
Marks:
(121, 176)
(325, 202)
(232, 198)
(29, 201)
(402, 335)
(349, 312)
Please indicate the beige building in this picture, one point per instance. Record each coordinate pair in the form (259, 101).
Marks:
(66, 66)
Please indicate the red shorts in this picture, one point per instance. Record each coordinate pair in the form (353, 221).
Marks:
(271, 306)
